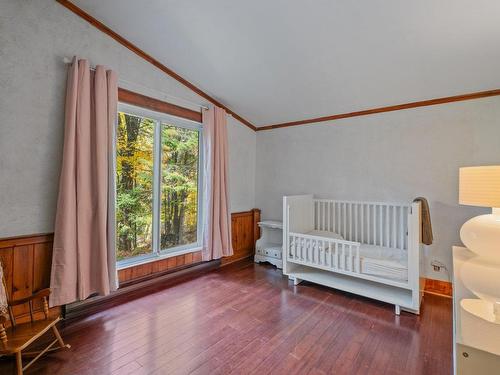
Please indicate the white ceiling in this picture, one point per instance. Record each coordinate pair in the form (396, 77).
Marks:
(274, 61)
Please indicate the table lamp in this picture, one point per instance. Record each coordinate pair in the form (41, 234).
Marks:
(480, 186)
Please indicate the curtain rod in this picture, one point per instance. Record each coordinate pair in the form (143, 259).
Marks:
(67, 60)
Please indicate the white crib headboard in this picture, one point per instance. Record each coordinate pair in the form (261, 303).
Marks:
(373, 223)
(298, 213)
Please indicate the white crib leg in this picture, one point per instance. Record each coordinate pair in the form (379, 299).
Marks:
(397, 310)
(296, 280)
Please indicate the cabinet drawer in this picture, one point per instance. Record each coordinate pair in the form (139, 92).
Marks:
(273, 253)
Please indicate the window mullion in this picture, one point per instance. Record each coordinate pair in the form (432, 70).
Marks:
(157, 188)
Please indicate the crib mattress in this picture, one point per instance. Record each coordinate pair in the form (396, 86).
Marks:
(384, 262)
(376, 260)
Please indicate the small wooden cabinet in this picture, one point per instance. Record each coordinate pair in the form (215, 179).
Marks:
(244, 233)
(269, 247)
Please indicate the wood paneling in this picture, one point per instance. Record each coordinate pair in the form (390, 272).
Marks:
(27, 262)
(153, 104)
(132, 47)
(247, 318)
(398, 107)
(245, 232)
(158, 267)
(439, 287)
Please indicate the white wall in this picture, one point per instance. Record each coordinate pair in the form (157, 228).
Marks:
(35, 35)
(242, 146)
(392, 156)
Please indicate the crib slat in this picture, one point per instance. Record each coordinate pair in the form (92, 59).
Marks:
(294, 248)
(401, 229)
(344, 214)
(374, 224)
(303, 250)
(324, 254)
(394, 238)
(358, 262)
(342, 258)
(368, 224)
(350, 258)
(325, 216)
(351, 238)
(336, 255)
(333, 217)
(362, 222)
(338, 211)
(381, 226)
(355, 222)
(317, 215)
(387, 227)
(328, 216)
(297, 246)
(330, 253)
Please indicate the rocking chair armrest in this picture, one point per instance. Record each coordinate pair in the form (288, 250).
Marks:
(40, 294)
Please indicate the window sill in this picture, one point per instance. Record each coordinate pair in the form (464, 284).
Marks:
(154, 258)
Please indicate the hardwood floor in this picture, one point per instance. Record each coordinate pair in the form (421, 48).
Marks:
(247, 318)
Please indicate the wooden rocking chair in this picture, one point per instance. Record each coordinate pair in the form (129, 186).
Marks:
(17, 337)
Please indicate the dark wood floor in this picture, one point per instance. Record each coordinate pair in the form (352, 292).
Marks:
(249, 319)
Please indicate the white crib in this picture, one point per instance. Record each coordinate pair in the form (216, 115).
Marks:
(368, 248)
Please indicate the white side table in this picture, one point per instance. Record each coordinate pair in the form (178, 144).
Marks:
(476, 349)
(269, 247)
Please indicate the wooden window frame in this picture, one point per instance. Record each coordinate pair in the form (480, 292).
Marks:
(160, 111)
(156, 105)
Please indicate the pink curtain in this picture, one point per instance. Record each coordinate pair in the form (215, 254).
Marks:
(217, 213)
(83, 262)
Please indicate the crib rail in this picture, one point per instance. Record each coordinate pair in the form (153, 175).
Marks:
(326, 253)
(373, 223)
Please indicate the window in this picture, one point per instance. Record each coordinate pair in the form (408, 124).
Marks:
(158, 165)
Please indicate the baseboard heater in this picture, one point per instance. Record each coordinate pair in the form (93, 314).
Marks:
(135, 290)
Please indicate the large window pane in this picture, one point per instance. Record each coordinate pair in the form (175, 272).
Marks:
(134, 185)
(179, 186)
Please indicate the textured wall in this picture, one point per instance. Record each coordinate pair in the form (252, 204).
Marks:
(35, 35)
(386, 157)
(242, 146)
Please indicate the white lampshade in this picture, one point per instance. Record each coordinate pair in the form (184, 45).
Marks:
(480, 186)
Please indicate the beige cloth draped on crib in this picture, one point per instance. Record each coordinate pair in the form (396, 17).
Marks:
(427, 237)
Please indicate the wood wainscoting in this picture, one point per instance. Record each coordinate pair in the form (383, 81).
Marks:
(26, 263)
(439, 287)
(145, 271)
(244, 232)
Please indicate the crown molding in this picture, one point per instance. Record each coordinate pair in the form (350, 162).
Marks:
(398, 107)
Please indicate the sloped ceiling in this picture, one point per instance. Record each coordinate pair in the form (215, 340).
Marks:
(274, 61)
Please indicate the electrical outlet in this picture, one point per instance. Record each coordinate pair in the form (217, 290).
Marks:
(437, 265)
